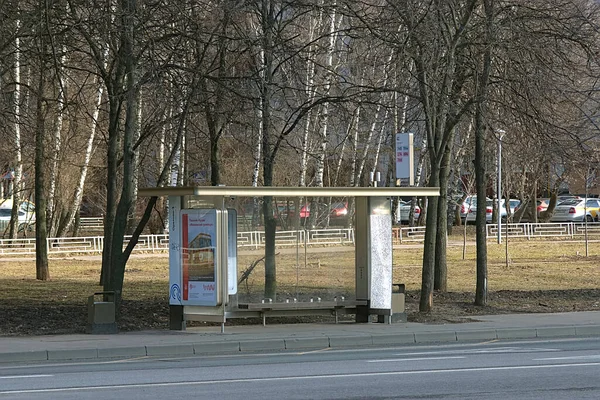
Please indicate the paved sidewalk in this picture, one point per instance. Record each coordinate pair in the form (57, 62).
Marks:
(294, 337)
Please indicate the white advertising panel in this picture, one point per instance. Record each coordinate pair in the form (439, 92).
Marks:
(175, 250)
(199, 257)
(231, 251)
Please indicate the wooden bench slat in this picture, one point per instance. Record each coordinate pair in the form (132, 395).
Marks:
(304, 305)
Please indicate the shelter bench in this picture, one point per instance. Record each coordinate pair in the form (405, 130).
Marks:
(303, 308)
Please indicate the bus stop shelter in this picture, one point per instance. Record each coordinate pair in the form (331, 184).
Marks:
(203, 252)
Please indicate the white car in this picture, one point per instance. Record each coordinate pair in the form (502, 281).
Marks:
(469, 206)
(576, 210)
(489, 208)
(26, 217)
(403, 211)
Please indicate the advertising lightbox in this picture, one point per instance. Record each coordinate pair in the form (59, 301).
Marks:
(199, 243)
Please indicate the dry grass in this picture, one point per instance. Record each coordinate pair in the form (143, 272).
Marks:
(541, 276)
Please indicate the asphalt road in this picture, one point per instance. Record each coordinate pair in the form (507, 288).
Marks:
(556, 369)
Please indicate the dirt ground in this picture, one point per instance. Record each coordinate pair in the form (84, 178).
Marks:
(448, 308)
(542, 277)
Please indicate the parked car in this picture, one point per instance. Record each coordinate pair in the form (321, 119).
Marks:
(542, 205)
(469, 206)
(563, 197)
(305, 211)
(489, 210)
(338, 209)
(403, 211)
(513, 205)
(26, 219)
(576, 210)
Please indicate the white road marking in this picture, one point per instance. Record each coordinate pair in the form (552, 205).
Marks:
(415, 359)
(589, 357)
(25, 376)
(483, 351)
(292, 378)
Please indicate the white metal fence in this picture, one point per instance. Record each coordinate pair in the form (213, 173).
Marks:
(568, 230)
(91, 223)
(256, 239)
(160, 243)
(408, 234)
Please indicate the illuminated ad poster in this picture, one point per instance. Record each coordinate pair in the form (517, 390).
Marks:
(199, 241)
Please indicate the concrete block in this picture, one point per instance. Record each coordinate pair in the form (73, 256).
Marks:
(589, 330)
(556, 331)
(170, 350)
(41, 355)
(351, 341)
(72, 354)
(263, 344)
(138, 351)
(475, 335)
(316, 343)
(226, 347)
(435, 337)
(394, 339)
(516, 333)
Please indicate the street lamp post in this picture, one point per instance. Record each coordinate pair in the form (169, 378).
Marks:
(499, 192)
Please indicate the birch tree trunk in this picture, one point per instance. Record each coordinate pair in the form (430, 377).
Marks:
(376, 119)
(310, 91)
(89, 148)
(53, 218)
(379, 141)
(367, 143)
(354, 176)
(18, 168)
(316, 207)
(324, 120)
(258, 152)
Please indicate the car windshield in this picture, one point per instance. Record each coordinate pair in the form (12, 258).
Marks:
(570, 202)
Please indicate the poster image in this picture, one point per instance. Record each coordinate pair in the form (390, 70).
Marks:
(198, 256)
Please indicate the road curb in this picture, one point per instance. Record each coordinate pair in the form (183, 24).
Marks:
(307, 343)
(588, 330)
(262, 344)
(112, 352)
(516, 333)
(556, 331)
(435, 337)
(226, 347)
(294, 343)
(483, 334)
(41, 355)
(170, 350)
(75, 354)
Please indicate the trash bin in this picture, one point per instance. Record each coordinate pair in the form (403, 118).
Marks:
(398, 310)
(101, 314)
